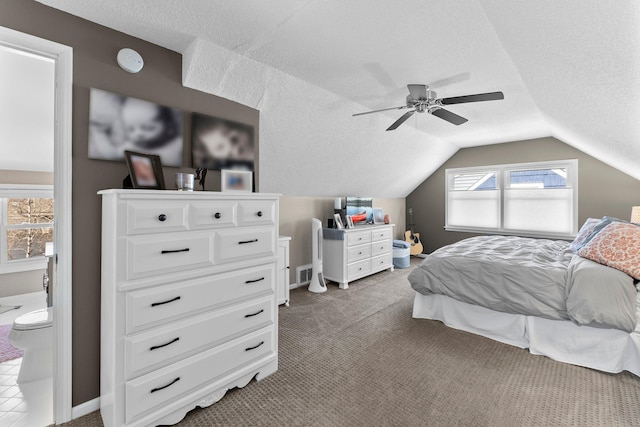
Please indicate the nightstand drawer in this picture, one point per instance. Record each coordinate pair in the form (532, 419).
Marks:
(384, 234)
(358, 238)
(239, 244)
(166, 384)
(359, 269)
(381, 247)
(156, 217)
(162, 304)
(212, 215)
(159, 347)
(160, 254)
(356, 253)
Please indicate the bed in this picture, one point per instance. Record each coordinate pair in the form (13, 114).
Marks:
(555, 298)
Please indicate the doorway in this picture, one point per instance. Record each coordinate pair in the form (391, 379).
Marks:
(62, 57)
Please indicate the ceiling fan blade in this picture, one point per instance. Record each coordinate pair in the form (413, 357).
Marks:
(379, 73)
(450, 80)
(490, 96)
(384, 109)
(401, 120)
(418, 91)
(448, 116)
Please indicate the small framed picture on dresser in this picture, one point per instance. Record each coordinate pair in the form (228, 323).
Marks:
(349, 221)
(338, 221)
(145, 170)
(236, 180)
(378, 216)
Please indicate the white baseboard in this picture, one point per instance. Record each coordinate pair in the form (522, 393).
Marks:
(85, 408)
(293, 286)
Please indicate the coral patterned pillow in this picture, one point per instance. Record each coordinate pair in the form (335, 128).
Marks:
(617, 246)
(584, 232)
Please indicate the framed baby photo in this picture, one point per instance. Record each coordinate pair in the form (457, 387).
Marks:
(145, 170)
(119, 123)
(219, 144)
(236, 180)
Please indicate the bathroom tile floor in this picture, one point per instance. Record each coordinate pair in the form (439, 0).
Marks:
(29, 404)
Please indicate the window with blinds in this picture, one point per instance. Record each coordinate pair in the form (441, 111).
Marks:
(532, 199)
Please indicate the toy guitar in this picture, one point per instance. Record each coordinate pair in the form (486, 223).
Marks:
(413, 238)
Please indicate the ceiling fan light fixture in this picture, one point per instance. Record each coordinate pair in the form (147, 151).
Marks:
(421, 99)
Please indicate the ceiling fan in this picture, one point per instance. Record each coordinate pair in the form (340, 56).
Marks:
(421, 99)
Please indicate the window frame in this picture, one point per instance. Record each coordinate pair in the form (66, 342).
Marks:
(20, 191)
(502, 182)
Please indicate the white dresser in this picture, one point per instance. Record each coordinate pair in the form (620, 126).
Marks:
(354, 253)
(189, 307)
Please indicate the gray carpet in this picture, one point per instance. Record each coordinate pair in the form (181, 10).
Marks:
(356, 358)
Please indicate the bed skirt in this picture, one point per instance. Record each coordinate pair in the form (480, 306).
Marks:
(608, 350)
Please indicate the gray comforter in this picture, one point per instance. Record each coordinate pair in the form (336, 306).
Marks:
(534, 277)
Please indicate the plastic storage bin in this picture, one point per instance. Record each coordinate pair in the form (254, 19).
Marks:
(401, 253)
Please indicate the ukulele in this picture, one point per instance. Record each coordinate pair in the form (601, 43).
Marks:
(413, 238)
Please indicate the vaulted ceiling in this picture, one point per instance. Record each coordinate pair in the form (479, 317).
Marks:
(568, 68)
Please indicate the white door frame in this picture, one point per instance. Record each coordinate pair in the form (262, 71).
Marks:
(63, 57)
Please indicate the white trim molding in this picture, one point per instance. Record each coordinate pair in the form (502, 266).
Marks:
(63, 57)
(85, 408)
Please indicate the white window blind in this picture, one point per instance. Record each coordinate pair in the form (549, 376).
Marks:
(537, 199)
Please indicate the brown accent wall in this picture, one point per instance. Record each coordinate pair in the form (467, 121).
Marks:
(94, 65)
(602, 190)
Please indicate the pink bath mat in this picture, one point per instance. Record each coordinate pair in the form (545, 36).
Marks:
(7, 351)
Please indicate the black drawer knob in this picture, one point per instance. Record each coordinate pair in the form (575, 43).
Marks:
(162, 217)
(259, 213)
(217, 215)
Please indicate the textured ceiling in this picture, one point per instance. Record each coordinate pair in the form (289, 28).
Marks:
(569, 69)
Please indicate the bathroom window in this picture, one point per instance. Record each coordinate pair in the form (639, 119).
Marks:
(26, 226)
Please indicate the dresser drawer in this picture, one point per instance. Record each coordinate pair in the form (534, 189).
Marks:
(212, 215)
(165, 385)
(381, 262)
(239, 244)
(381, 247)
(159, 254)
(359, 269)
(357, 253)
(257, 212)
(156, 217)
(162, 304)
(358, 238)
(382, 234)
(158, 347)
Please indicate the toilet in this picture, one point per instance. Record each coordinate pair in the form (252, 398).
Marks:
(33, 333)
